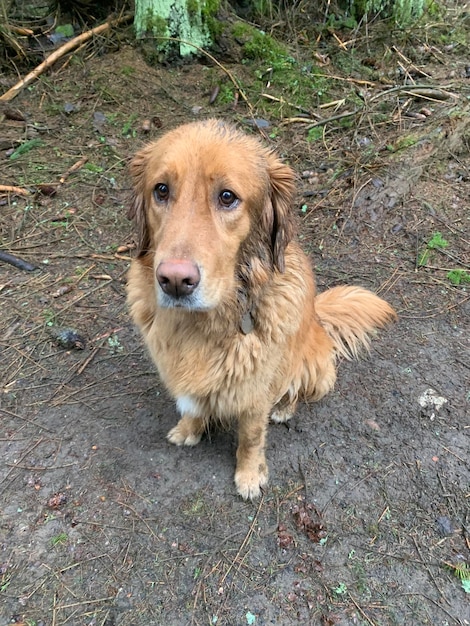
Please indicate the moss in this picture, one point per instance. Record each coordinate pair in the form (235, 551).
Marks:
(207, 9)
(259, 46)
(192, 7)
(289, 80)
(156, 25)
(210, 8)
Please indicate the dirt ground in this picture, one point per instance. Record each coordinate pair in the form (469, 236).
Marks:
(366, 516)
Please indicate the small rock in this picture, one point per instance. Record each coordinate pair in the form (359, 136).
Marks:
(258, 122)
(431, 402)
(68, 338)
(444, 526)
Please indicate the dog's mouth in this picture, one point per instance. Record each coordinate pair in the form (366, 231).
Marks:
(188, 302)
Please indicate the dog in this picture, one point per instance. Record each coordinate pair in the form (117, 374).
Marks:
(223, 295)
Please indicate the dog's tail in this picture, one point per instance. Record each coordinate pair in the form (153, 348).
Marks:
(350, 315)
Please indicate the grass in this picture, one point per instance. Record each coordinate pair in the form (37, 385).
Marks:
(59, 539)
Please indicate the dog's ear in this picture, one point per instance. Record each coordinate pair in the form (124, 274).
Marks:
(138, 209)
(277, 217)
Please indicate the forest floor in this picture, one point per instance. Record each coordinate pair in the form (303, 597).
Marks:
(366, 516)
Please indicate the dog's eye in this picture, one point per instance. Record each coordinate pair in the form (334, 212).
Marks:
(227, 199)
(161, 192)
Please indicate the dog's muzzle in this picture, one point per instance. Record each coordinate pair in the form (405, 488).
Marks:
(179, 280)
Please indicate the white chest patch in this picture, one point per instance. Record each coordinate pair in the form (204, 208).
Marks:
(187, 405)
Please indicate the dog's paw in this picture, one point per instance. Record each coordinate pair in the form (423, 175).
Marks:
(282, 415)
(249, 483)
(187, 432)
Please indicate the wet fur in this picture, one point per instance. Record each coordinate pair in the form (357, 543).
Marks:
(251, 272)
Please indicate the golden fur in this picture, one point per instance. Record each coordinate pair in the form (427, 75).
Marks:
(248, 336)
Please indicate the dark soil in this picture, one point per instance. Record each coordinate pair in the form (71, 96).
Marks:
(366, 516)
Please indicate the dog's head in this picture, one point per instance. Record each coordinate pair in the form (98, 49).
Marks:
(209, 200)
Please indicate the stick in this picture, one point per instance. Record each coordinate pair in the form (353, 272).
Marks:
(19, 191)
(16, 262)
(76, 166)
(60, 52)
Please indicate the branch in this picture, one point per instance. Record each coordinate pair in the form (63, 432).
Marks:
(60, 52)
(19, 191)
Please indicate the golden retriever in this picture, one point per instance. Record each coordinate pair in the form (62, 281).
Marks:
(225, 298)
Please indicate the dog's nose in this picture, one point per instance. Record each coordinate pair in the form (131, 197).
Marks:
(178, 277)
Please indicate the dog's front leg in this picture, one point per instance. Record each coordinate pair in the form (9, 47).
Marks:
(187, 432)
(252, 470)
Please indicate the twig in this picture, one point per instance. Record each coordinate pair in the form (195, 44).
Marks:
(417, 90)
(281, 100)
(26, 420)
(450, 451)
(85, 363)
(16, 262)
(409, 63)
(76, 166)
(198, 587)
(139, 517)
(433, 580)
(19, 191)
(297, 120)
(244, 542)
(20, 460)
(421, 91)
(361, 611)
(60, 52)
(441, 608)
(340, 116)
(85, 602)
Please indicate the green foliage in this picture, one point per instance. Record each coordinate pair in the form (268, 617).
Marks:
(65, 29)
(272, 62)
(461, 571)
(259, 46)
(25, 147)
(458, 276)
(226, 94)
(210, 8)
(404, 12)
(128, 70)
(192, 6)
(127, 130)
(59, 539)
(403, 143)
(437, 242)
(340, 590)
(343, 21)
(315, 133)
(91, 167)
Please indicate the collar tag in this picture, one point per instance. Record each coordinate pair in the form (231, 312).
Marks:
(247, 323)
